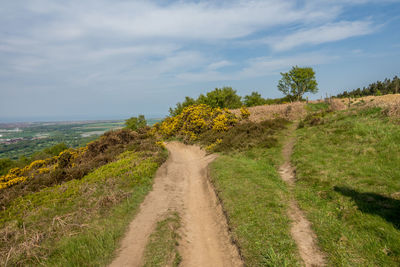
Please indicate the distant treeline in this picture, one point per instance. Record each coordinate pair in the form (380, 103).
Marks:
(377, 88)
(226, 97)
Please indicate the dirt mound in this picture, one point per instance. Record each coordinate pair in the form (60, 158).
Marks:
(290, 111)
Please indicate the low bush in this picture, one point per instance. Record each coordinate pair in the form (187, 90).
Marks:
(244, 135)
(195, 120)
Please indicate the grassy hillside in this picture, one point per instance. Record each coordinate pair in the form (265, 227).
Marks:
(72, 209)
(78, 220)
(348, 184)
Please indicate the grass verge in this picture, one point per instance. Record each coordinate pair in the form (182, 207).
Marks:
(256, 200)
(349, 187)
(79, 222)
(162, 247)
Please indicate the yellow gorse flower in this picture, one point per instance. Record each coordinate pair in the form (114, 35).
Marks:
(39, 167)
(196, 119)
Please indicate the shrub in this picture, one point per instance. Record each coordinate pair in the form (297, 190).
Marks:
(135, 123)
(244, 135)
(195, 120)
(244, 113)
(6, 165)
(254, 99)
(224, 97)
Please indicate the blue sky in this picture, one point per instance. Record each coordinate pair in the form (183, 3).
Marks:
(98, 59)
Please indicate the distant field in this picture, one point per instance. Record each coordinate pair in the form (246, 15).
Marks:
(24, 139)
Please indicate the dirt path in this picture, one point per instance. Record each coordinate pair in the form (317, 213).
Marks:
(300, 229)
(181, 184)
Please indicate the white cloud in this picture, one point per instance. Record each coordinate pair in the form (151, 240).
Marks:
(259, 67)
(326, 33)
(204, 20)
(271, 65)
(128, 47)
(219, 64)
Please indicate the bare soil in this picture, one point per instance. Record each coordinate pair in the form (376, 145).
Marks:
(289, 111)
(182, 185)
(300, 229)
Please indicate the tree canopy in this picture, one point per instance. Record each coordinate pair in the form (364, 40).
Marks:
(224, 97)
(254, 99)
(384, 87)
(298, 81)
(135, 123)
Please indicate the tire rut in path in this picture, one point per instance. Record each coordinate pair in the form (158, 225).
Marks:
(182, 185)
(300, 230)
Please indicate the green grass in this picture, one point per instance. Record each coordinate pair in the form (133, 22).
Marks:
(348, 173)
(317, 106)
(255, 200)
(162, 247)
(80, 222)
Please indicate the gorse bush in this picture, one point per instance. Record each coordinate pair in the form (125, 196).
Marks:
(6, 164)
(224, 97)
(135, 123)
(220, 130)
(254, 99)
(195, 120)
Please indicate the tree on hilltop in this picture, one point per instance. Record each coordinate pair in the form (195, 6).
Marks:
(297, 82)
(224, 97)
(135, 123)
(180, 106)
(254, 99)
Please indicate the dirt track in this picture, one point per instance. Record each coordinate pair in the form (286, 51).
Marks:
(300, 229)
(181, 185)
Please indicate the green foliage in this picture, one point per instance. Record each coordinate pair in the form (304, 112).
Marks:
(378, 88)
(255, 200)
(313, 107)
(297, 82)
(254, 99)
(136, 123)
(161, 249)
(224, 97)
(38, 136)
(180, 106)
(347, 183)
(245, 135)
(55, 150)
(47, 152)
(6, 165)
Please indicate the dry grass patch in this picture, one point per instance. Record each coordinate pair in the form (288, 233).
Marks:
(290, 111)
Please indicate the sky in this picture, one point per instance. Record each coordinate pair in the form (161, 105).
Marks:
(100, 59)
